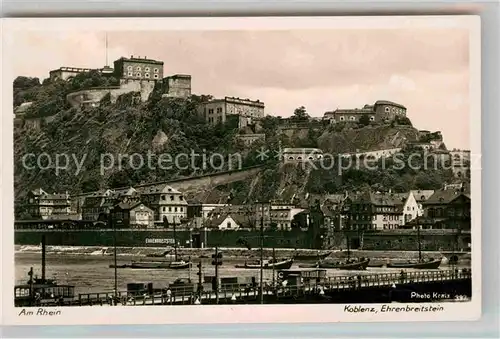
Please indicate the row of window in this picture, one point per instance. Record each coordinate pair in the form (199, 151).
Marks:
(394, 110)
(211, 110)
(390, 226)
(139, 75)
(214, 119)
(176, 209)
(139, 68)
(172, 197)
(353, 118)
(451, 212)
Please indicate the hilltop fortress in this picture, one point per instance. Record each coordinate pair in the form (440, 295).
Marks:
(135, 74)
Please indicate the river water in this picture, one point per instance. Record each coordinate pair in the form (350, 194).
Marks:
(91, 273)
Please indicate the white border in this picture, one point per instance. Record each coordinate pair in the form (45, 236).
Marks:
(234, 313)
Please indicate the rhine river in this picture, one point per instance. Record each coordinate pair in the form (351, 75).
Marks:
(91, 273)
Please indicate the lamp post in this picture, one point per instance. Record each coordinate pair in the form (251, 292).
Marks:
(262, 254)
(113, 226)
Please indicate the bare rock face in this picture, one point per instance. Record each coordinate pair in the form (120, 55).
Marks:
(160, 140)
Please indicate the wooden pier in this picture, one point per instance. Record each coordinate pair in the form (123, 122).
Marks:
(363, 288)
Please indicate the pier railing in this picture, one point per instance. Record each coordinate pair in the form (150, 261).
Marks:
(232, 293)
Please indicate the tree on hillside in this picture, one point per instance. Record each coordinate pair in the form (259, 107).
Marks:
(300, 114)
(364, 120)
(22, 82)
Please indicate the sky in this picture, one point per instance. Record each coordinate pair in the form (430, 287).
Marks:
(424, 69)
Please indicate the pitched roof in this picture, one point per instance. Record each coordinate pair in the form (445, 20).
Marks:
(444, 197)
(386, 102)
(241, 220)
(422, 195)
(156, 189)
(38, 191)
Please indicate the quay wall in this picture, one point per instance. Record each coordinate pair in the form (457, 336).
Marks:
(397, 240)
(160, 238)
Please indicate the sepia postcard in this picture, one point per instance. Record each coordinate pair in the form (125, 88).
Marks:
(241, 170)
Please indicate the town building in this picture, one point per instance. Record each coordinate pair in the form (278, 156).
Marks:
(447, 209)
(135, 215)
(218, 111)
(460, 163)
(295, 155)
(40, 204)
(381, 111)
(372, 155)
(249, 139)
(281, 215)
(228, 222)
(177, 86)
(94, 206)
(374, 211)
(421, 196)
(165, 201)
(66, 73)
(137, 68)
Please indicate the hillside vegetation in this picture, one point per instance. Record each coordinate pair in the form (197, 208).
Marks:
(172, 126)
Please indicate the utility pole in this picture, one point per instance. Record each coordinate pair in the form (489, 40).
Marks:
(112, 224)
(217, 260)
(262, 254)
(274, 261)
(200, 275)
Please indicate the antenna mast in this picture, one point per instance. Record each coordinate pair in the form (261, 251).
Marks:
(107, 49)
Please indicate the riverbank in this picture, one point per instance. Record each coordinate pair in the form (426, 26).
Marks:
(227, 252)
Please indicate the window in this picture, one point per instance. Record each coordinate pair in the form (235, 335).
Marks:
(352, 118)
(228, 224)
(138, 74)
(129, 68)
(156, 70)
(156, 76)
(175, 209)
(387, 110)
(138, 68)
(210, 111)
(162, 197)
(393, 110)
(170, 209)
(219, 109)
(146, 75)
(181, 209)
(342, 118)
(146, 69)
(172, 198)
(130, 74)
(372, 118)
(163, 209)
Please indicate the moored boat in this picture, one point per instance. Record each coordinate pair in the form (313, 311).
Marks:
(311, 257)
(173, 265)
(431, 264)
(269, 264)
(347, 265)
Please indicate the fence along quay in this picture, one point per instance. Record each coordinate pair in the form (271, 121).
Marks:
(366, 288)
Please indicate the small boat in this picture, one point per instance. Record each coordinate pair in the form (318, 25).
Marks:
(173, 265)
(269, 264)
(360, 265)
(311, 257)
(376, 265)
(159, 255)
(431, 264)
(166, 265)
